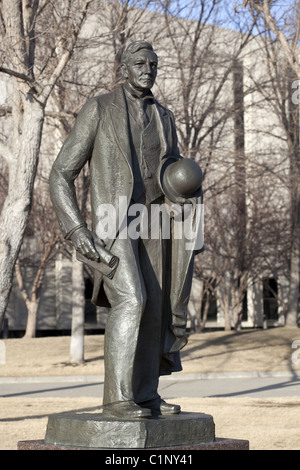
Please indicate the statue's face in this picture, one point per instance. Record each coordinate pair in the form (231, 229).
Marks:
(141, 69)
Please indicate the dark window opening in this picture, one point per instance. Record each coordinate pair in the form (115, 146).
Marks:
(90, 309)
(270, 298)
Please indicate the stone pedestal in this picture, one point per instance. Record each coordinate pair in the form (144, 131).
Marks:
(89, 431)
(95, 432)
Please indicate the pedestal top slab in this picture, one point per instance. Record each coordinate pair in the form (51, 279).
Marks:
(93, 431)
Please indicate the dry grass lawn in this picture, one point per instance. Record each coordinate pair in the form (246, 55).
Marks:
(218, 351)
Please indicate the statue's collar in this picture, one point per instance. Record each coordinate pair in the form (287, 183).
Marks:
(134, 94)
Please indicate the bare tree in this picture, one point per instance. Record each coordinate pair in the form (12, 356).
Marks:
(262, 247)
(28, 29)
(39, 249)
(207, 94)
(201, 59)
(282, 21)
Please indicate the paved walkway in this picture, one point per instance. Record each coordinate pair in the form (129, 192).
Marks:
(247, 384)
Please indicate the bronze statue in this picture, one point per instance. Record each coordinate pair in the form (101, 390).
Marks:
(130, 143)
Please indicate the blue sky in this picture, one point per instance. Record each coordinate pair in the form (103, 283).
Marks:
(225, 14)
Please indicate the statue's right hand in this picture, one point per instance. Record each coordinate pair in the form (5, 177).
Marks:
(83, 242)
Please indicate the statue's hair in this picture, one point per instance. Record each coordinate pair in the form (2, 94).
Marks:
(135, 47)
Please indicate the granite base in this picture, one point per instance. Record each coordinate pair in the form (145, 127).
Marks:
(217, 444)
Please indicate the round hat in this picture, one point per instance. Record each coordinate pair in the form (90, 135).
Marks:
(180, 178)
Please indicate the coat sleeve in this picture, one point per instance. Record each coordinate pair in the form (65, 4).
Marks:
(74, 154)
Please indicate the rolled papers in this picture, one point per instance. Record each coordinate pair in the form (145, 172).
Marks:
(108, 262)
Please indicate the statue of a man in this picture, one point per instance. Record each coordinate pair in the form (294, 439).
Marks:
(129, 139)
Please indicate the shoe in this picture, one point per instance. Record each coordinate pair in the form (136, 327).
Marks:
(159, 407)
(125, 410)
(169, 408)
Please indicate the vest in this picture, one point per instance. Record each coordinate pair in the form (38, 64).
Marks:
(145, 151)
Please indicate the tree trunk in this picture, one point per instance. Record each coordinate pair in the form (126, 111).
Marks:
(237, 296)
(32, 308)
(227, 313)
(16, 208)
(238, 314)
(78, 307)
(224, 299)
(199, 309)
(205, 313)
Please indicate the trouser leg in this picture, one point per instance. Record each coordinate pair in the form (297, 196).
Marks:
(147, 360)
(126, 294)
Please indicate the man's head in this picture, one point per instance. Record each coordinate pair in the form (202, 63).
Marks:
(139, 65)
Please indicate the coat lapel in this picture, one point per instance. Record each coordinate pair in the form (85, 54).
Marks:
(163, 123)
(120, 123)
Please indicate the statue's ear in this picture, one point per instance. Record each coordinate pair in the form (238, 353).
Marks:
(124, 70)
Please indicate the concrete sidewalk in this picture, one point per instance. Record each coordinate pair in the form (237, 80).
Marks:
(238, 384)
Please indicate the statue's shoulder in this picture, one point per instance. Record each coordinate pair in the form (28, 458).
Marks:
(104, 99)
(96, 107)
(163, 110)
(95, 103)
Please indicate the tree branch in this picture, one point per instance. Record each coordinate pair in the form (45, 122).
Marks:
(66, 56)
(13, 73)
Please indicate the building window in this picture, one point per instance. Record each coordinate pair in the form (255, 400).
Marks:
(270, 298)
(90, 309)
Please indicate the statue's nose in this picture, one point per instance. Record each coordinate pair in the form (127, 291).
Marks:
(147, 68)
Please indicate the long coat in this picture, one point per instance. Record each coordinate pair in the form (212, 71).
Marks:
(100, 136)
